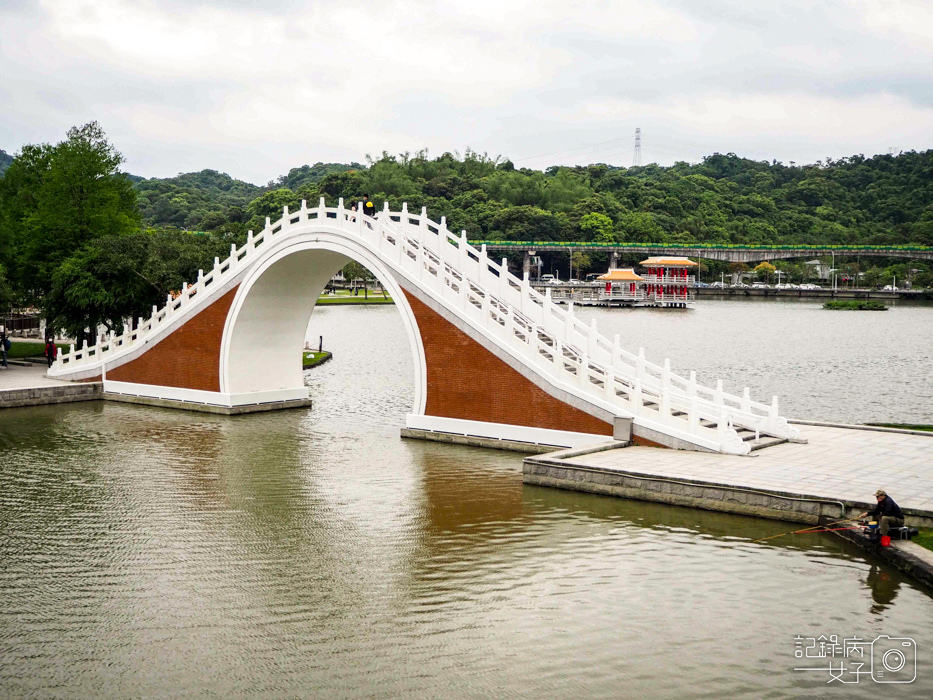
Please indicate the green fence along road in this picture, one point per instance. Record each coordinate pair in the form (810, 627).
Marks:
(710, 251)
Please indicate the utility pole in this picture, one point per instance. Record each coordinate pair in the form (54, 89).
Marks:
(636, 159)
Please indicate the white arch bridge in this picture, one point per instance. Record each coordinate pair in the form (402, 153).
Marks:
(493, 358)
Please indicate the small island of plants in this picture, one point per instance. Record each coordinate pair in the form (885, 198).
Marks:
(310, 359)
(863, 305)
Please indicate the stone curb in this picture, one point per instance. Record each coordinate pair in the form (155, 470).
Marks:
(780, 505)
(902, 555)
(39, 396)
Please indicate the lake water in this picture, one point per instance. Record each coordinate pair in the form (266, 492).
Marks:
(313, 553)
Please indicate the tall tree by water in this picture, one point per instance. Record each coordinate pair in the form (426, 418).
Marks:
(56, 199)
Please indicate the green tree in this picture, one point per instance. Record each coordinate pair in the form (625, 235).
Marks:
(581, 262)
(642, 227)
(118, 277)
(55, 199)
(597, 227)
(272, 204)
(354, 271)
(6, 293)
(765, 268)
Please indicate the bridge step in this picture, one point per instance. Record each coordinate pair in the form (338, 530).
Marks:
(763, 441)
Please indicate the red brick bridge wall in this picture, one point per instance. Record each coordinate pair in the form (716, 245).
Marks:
(188, 358)
(468, 382)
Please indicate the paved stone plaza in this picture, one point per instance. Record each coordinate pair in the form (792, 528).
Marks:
(836, 464)
(28, 386)
(33, 377)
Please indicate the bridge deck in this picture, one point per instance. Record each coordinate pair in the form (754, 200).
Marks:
(837, 464)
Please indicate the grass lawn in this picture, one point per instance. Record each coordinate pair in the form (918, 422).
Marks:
(19, 349)
(925, 538)
(903, 426)
(341, 298)
(310, 358)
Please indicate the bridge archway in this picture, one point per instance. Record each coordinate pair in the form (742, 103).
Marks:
(493, 358)
(260, 351)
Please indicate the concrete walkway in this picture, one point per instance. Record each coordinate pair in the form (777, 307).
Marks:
(836, 465)
(18, 377)
(28, 386)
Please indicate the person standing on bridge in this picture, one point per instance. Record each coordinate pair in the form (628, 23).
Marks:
(887, 512)
(368, 207)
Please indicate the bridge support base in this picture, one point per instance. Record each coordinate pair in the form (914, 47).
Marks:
(205, 401)
(473, 441)
(209, 408)
(542, 439)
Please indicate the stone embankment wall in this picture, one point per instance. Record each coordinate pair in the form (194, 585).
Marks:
(39, 396)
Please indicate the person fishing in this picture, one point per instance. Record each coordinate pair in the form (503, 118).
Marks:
(887, 512)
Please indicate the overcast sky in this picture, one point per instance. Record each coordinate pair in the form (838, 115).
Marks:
(255, 87)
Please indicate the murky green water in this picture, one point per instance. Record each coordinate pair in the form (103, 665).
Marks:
(153, 553)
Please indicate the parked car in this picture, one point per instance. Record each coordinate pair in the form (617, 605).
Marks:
(759, 285)
(890, 288)
(719, 285)
(547, 279)
(703, 284)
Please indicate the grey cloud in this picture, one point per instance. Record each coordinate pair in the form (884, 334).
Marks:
(787, 53)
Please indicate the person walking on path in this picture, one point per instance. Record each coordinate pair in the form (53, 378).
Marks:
(50, 350)
(5, 345)
(368, 207)
(886, 512)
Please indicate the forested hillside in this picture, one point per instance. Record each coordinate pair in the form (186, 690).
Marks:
(184, 201)
(885, 199)
(91, 245)
(201, 200)
(310, 174)
(5, 160)
(724, 199)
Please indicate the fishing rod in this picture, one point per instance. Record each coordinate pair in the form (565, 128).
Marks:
(814, 528)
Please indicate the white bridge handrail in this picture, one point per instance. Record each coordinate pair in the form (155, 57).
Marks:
(549, 338)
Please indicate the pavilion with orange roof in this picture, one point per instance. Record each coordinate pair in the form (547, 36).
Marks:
(622, 284)
(667, 281)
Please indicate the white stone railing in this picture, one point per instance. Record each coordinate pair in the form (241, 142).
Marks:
(531, 322)
(670, 298)
(689, 280)
(570, 353)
